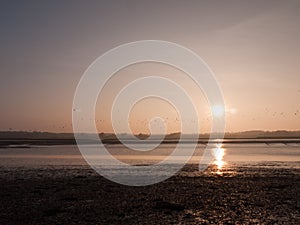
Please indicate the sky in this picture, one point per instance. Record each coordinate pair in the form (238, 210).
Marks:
(251, 46)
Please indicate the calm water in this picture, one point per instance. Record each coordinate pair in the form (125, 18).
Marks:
(224, 155)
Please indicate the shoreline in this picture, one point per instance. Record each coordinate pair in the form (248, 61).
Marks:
(26, 143)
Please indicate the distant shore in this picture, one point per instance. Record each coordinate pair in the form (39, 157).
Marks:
(25, 139)
(26, 143)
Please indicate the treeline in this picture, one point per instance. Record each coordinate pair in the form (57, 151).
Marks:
(12, 135)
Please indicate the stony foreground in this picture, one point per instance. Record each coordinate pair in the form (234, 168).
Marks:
(77, 195)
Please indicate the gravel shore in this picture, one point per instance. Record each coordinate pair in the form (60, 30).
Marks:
(77, 195)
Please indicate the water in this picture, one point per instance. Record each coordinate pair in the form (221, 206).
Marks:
(277, 154)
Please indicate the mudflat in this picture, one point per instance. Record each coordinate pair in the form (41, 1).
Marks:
(78, 195)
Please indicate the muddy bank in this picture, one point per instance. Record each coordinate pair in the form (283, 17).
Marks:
(77, 195)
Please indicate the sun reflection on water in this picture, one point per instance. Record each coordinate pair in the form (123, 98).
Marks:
(219, 153)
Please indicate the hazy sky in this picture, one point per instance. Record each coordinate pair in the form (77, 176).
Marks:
(252, 47)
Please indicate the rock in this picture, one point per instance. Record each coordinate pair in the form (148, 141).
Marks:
(168, 206)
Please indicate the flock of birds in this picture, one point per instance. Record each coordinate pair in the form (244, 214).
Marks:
(175, 120)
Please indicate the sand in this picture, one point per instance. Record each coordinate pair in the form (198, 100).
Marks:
(77, 195)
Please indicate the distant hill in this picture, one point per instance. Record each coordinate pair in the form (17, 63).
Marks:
(15, 135)
(10, 135)
(264, 134)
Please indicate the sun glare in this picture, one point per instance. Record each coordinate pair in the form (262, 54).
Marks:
(219, 153)
(218, 110)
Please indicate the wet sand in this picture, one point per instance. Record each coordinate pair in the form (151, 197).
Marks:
(77, 195)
